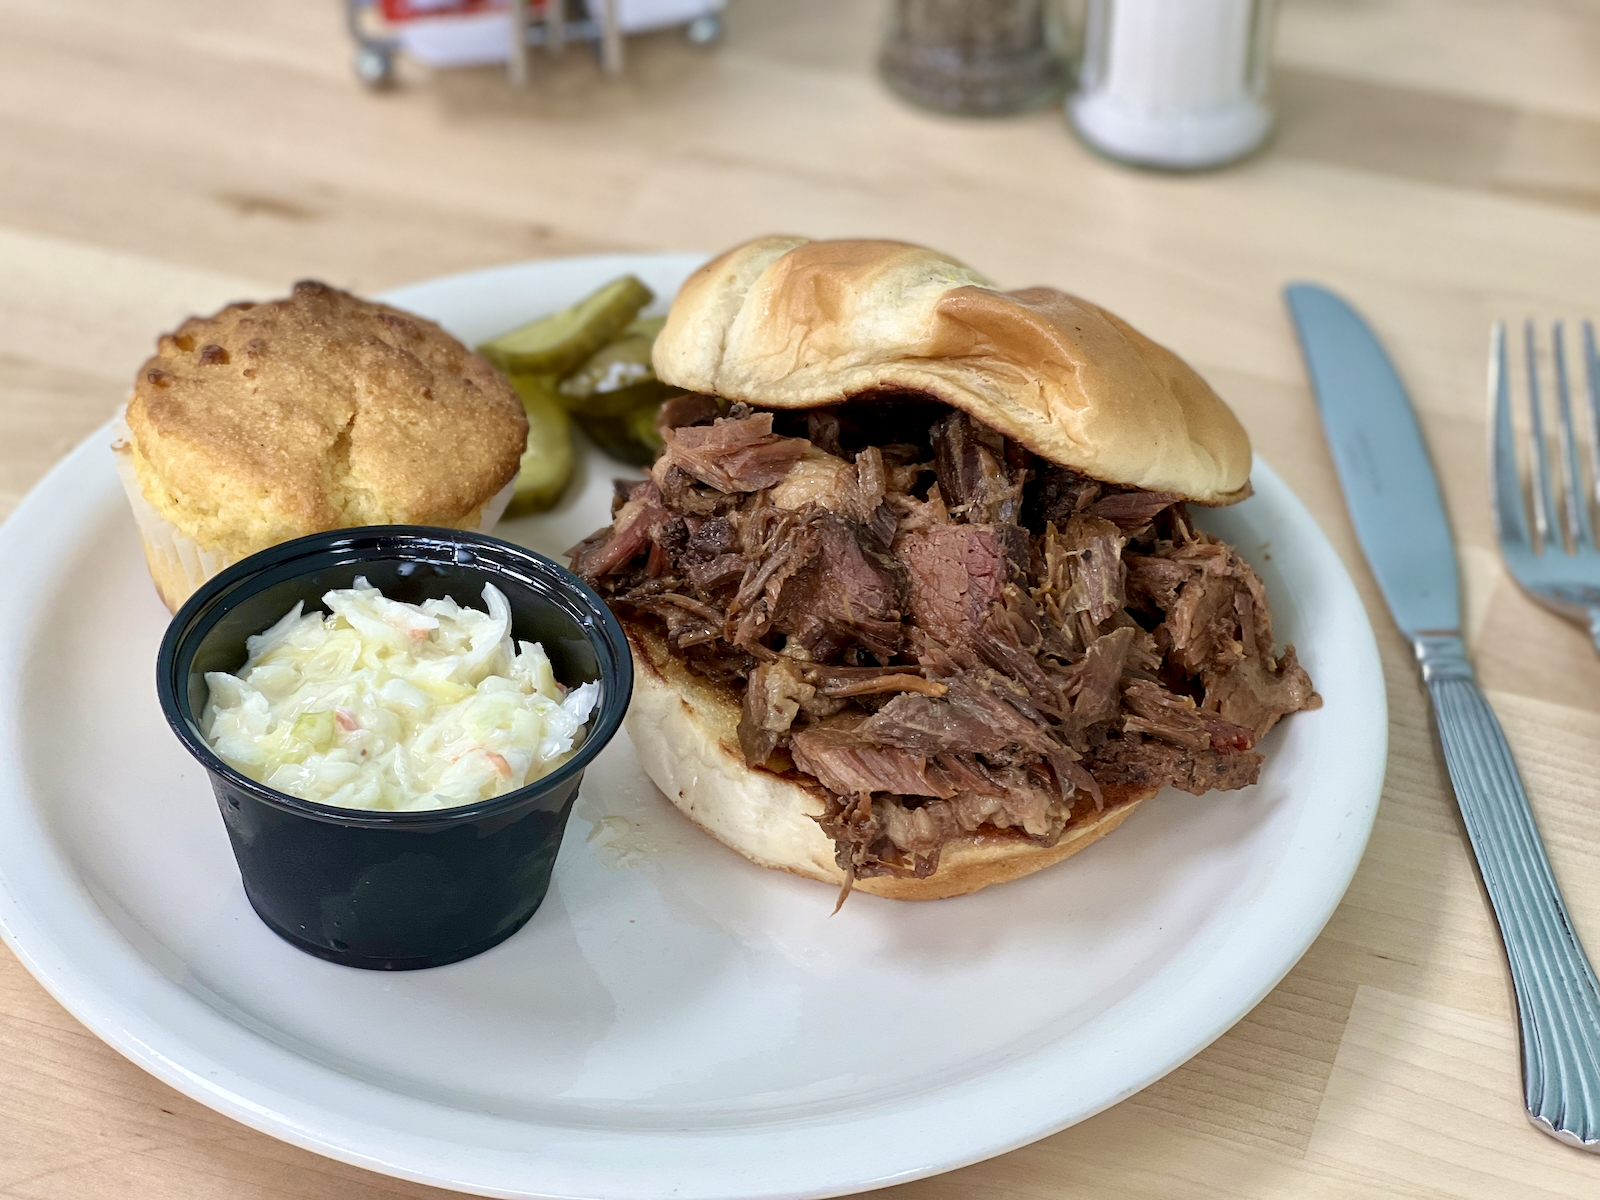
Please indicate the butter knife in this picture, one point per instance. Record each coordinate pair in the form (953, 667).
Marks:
(1394, 501)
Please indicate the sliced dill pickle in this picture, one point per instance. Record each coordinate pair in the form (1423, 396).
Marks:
(609, 405)
(618, 377)
(614, 436)
(641, 424)
(535, 389)
(645, 327)
(547, 460)
(560, 342)
(632, 436)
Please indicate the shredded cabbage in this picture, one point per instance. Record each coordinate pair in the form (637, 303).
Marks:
(386, 705)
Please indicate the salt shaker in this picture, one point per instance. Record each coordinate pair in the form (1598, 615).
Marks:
(979, 57)
(1180, 84)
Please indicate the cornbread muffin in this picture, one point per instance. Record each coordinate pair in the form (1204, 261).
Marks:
(267, 422)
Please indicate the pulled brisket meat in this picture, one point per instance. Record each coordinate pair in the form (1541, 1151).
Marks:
(944, 632)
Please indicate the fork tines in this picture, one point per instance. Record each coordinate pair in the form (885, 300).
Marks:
(1569, 527)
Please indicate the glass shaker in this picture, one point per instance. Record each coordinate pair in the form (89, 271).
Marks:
(1180, 84)
(978, 57)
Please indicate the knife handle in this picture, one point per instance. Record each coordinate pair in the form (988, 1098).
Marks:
(1558, 997)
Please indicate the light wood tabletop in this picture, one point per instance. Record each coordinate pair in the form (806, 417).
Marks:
(1438, 161)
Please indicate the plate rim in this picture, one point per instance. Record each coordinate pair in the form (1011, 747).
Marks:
(117, 1018)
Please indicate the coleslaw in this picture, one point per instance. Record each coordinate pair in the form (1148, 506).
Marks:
(385, 705)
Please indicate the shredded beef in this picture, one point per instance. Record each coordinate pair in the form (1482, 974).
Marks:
(1255, 692)
(869, 681)
(826, 431)
(970, 719)
(736, 454)
(688, 408)
(1149, 763)
(1092, 682)
(628, 537)
(949, 635)
(970, 461)
(958, 573)
(821, 580)
(689, 622)
(1058, 494)
(1133, 511)
(852, 763)
(717, 573)
(853, 490)
(1154, 710)
(772, 700)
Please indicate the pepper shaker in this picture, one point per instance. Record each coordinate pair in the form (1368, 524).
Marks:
(980, 57)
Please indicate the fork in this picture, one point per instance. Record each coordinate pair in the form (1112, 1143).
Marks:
(1557, 563)
(1557, 992)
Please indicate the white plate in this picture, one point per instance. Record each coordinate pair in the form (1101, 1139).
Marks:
(673, 1020)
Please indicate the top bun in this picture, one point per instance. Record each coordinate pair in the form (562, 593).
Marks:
(783, 322)
(267, 422)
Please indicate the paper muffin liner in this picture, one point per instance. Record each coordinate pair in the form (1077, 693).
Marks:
(495, 507)
(178, 563)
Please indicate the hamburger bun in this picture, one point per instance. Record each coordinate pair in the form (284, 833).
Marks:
(684, 729)
(783, 322)
(266, 422)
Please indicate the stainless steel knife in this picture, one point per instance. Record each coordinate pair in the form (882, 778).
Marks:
(1394, 501)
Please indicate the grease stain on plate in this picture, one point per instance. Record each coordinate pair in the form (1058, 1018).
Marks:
(620, 844)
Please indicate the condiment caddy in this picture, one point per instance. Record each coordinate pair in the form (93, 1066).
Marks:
(457, 33)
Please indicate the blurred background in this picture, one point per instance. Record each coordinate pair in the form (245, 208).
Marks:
(238, 137)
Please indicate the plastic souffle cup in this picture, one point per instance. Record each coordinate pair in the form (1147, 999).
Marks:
(389, 890)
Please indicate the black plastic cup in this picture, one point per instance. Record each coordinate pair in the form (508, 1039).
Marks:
(394, 891)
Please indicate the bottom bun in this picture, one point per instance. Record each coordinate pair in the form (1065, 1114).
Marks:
(685, 731)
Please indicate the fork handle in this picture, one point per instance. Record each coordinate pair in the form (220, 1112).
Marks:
(1594, 626)
(1558, 997)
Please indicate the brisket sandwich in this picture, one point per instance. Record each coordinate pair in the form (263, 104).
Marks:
(914, 592)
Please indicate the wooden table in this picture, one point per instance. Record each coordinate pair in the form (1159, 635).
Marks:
(1438, 160)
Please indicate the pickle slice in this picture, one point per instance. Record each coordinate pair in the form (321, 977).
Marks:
(615, 381)
(645, 327)
(632, 436)
(547, 461)
(620, 403)
(560, 342)
(535, 389)
(614, 436)
(641, 423)
(616, 368)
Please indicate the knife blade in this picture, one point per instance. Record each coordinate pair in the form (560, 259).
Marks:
(1393, 496)
(1389, 483)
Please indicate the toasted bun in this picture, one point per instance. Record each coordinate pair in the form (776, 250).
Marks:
(266, 422)
(783, 322)
(685, 731)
